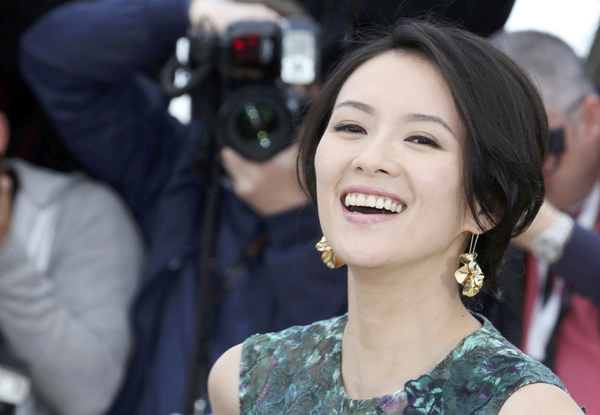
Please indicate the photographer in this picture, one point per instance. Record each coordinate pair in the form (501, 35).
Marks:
(70, 257)
(83, 61)
(551, 307)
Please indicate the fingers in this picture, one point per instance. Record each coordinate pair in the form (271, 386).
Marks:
(245, 174)
(5, 195)
(5, 205)
(221, 13)
(234, 164)
(260, 12)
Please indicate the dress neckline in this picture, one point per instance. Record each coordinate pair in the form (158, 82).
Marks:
(337, 354)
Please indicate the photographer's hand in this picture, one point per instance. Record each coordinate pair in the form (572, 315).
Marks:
(5, 206)
(544, 220)
(221, 13)
(270, 187)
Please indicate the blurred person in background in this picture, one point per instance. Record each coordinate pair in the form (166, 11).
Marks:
(32, 135)
(551, 306)
(70, 258)
(84, 62)
(339, 17)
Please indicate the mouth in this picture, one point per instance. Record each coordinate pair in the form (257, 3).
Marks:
(372, 204)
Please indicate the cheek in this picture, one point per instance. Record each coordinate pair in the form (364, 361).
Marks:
(330, 165)
(443, 189)
(320, 170)
(324, 175)
(327, 167)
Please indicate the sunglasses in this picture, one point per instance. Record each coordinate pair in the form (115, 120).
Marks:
(556, 141)
(556, 147)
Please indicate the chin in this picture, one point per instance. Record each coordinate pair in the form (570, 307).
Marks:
(367, 257)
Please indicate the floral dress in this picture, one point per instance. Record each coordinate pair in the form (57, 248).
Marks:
(297, 371)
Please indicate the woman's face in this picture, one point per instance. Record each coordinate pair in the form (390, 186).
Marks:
(388, 166)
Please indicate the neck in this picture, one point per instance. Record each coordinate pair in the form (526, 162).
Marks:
(400, 325)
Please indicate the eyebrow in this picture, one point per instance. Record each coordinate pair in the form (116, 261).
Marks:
(361, 106)
(427, 118)
(358, 105)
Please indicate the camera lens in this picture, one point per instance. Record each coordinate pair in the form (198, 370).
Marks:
(256, 122)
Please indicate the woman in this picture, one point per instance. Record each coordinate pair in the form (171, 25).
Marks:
(423, 145)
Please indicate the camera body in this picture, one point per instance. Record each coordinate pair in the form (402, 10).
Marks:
(15, 389)
(249, 100)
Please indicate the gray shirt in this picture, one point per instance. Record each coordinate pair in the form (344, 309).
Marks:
(69, 324)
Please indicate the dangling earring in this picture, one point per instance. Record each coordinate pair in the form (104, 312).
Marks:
(470, 275)
(328, 257)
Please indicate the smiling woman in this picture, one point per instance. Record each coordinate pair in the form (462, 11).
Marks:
(421, 139)
(500, 162)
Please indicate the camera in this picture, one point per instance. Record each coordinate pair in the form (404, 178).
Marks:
(244, 83)
(15, 389)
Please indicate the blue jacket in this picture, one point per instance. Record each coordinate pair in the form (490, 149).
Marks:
(83, 62)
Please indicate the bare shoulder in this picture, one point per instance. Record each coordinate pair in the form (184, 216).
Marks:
(540, 398)
(223, 383)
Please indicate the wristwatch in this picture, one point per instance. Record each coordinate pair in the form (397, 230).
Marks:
(548, 246)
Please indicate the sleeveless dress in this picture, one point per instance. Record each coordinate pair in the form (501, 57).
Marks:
(297, 371)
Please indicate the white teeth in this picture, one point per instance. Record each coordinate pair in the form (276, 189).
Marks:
(377, 202)
(361, 200)
(371, 200)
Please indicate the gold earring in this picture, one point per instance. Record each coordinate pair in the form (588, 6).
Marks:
(328, 257)
(470, 275)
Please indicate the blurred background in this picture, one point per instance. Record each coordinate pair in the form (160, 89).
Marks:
(575, 22)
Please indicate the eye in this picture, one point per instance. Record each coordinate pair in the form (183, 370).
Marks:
(424, 140)
(351, 128)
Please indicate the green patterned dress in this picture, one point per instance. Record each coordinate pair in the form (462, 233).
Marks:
(297, 371)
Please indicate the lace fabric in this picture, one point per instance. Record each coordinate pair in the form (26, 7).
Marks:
(297, 371)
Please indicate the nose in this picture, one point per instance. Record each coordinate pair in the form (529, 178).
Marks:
(377, 157)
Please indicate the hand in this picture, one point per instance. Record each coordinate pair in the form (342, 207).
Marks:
(221, 13)
(5, 206)
(544, 220)
(270, 187)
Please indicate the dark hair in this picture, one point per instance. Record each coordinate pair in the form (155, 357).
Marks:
(503, 117)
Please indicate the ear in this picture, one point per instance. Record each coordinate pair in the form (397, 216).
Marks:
(589, 117)
(4, 133)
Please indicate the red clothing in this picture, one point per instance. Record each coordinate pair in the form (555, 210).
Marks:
(577, 361)
(578, 353)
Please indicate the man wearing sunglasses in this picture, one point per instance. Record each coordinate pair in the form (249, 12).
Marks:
(551, 285)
